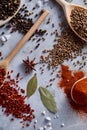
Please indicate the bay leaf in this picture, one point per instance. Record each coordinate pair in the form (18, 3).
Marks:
(32, 86)
(48, 99)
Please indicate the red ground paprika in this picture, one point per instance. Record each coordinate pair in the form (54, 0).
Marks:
(68, 78)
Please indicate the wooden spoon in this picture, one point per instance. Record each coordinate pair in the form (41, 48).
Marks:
(4, 63)
(79, 92)
(67, 7)
(2, 22)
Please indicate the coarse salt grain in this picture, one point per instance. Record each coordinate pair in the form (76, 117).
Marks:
(50, 128)
(45, 1)
(4, 38)
(45, 127)
(40, 128)
(35, 122)
(62, 125)
(39, 3)
(48, 119)
(57, 116)
(43, 113)
(49, 124)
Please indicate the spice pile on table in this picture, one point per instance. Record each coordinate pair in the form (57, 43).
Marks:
(8, 8)
(13, 100)
(69, 46)
(68, 78)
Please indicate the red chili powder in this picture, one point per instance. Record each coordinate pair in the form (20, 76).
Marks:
(13, 100)
(68, 78)
(2, 75)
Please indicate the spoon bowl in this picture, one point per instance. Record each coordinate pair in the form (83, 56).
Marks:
(2, 22)
(67, 7)
(79, 92)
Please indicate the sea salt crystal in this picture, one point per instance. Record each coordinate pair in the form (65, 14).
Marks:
(54, 117)
(35, 121)
(43, 113)
(40, 128)
(62, 125)
(57, 116)
(50, 128)
(4, 38)
(45, 127)
(39, 3)
(48, 119)
(46, 0)
(7, 36)
(49, 124)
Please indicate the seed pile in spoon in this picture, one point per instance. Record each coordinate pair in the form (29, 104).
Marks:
(79, 21)
(8, 8)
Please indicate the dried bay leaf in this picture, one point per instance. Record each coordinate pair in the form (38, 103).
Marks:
(32, 86)
(48, 99)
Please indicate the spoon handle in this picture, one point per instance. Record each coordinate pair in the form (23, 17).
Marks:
(62, 2)
(27, 36)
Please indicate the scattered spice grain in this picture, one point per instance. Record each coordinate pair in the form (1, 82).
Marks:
(79, 21)
(85, 2)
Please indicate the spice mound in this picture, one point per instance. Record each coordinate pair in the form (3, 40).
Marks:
(12, 100)
(8, 8)
(68, 78)
(69, 46)
(79, 92)
(79, 21)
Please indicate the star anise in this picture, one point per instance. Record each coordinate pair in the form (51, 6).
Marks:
(29, 65)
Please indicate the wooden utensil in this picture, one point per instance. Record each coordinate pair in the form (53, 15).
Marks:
(4, 63)
(67, 7)
(2, 22)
